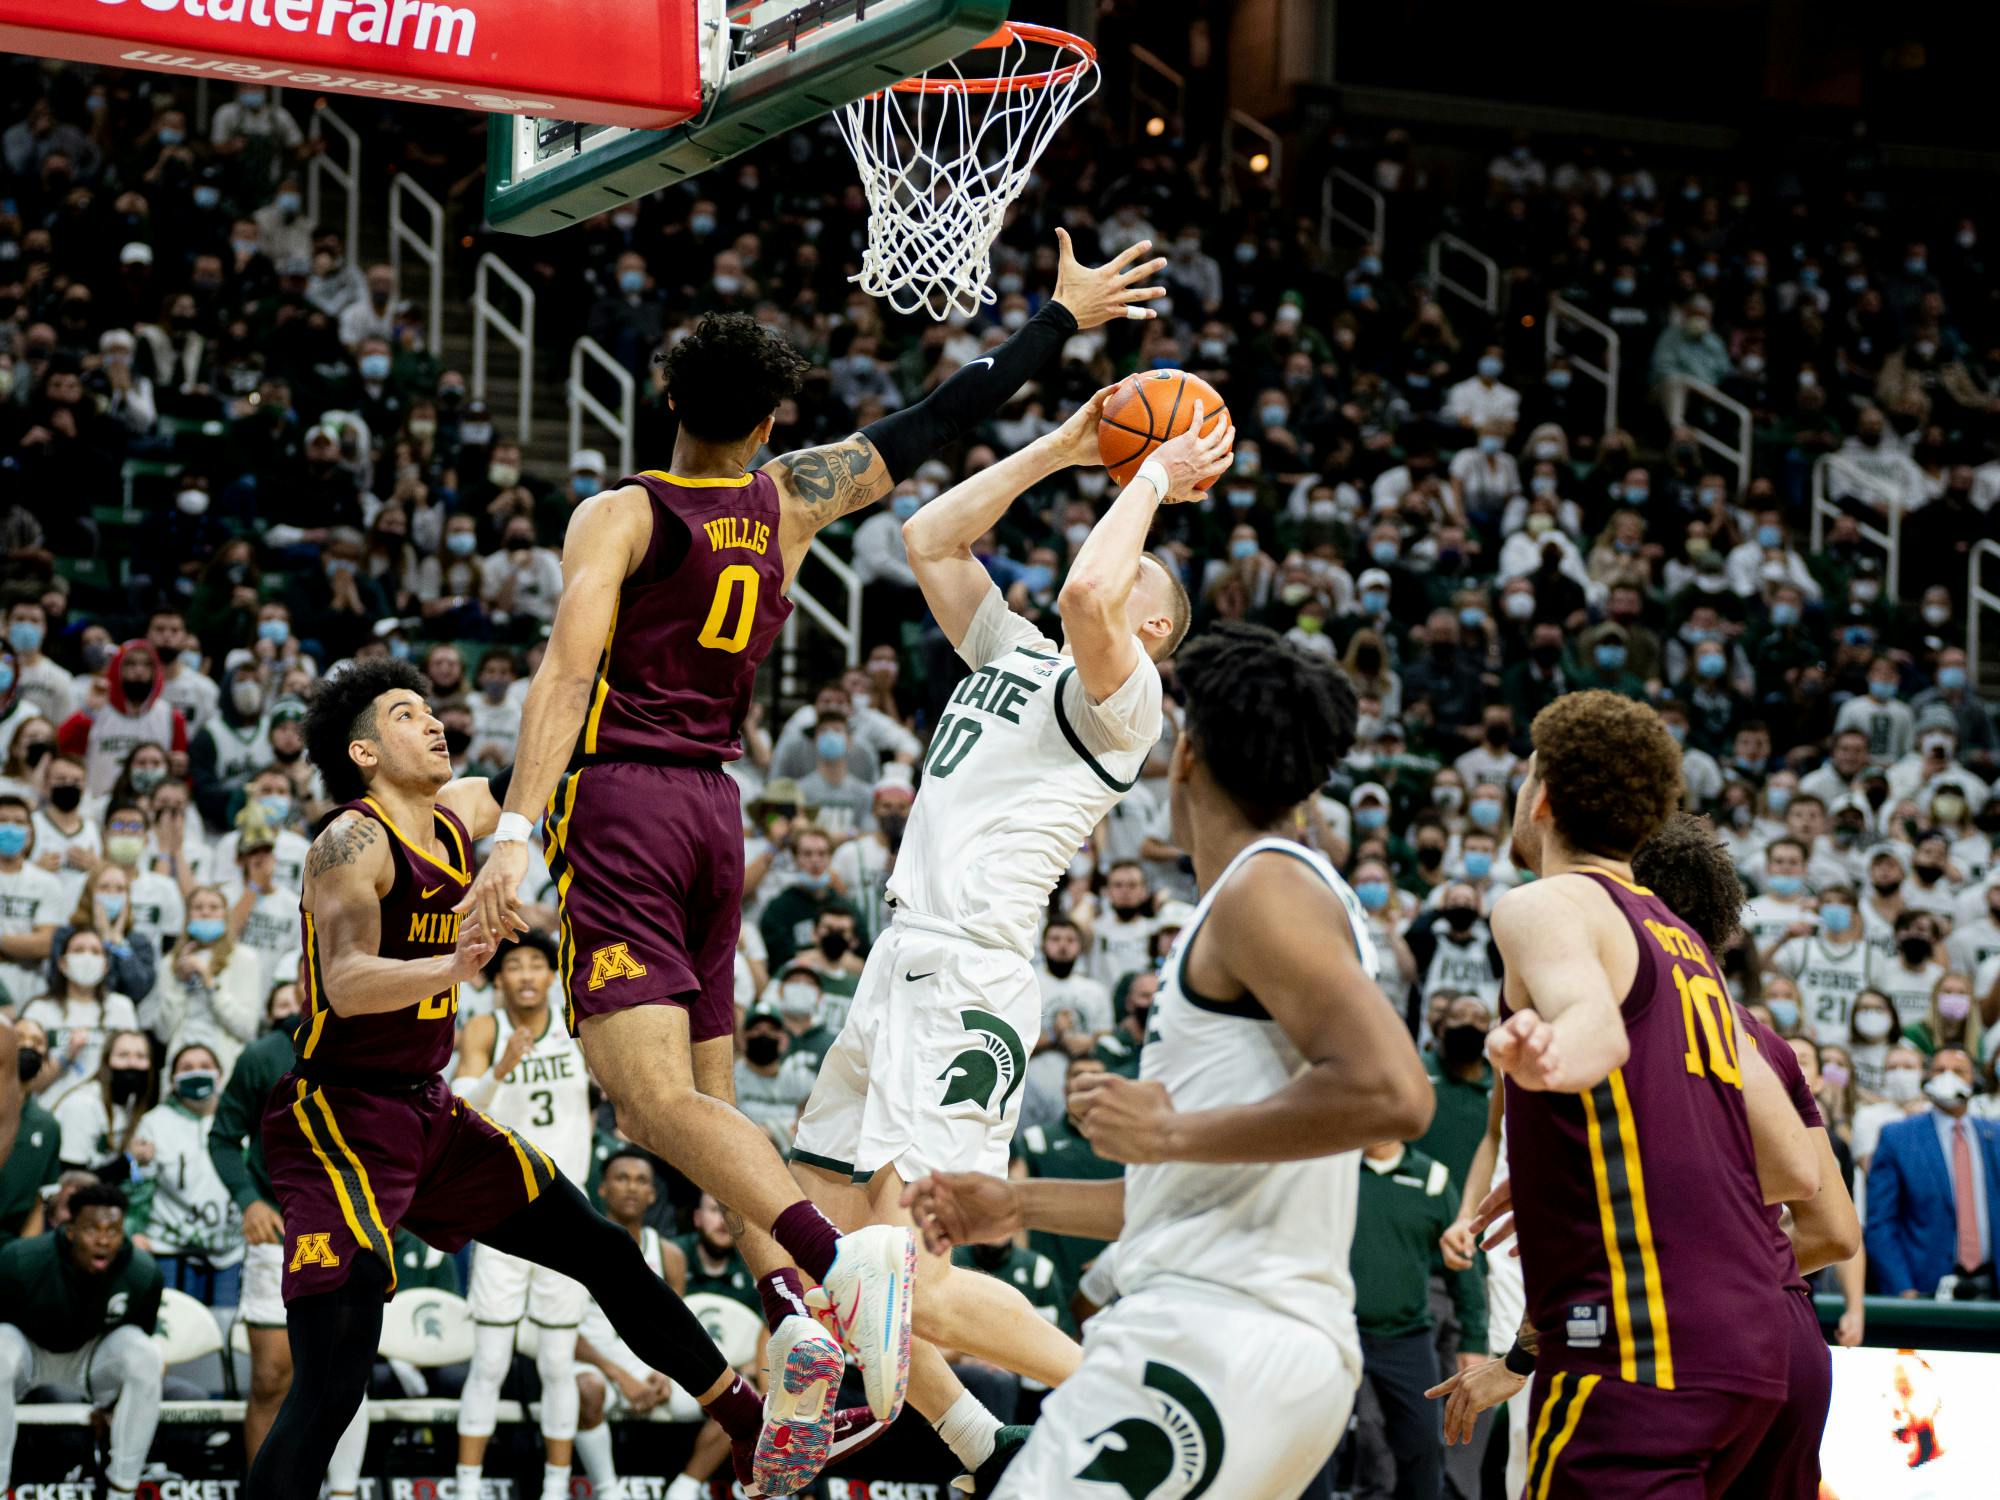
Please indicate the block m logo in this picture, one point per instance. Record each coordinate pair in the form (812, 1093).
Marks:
(613, 962)
(313, 1250)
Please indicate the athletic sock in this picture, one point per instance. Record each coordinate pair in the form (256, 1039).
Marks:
(593, 1451)
(739, 1410)
(468, 1481)
(808, 1238)
(968, 1429)
(555, 1481)
(783, 1294)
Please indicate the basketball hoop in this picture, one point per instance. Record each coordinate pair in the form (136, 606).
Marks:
(942, 156)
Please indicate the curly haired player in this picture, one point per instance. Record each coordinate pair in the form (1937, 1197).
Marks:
(1643, 1139)
(674, 591)
(363, 1136)
(1230, 1362)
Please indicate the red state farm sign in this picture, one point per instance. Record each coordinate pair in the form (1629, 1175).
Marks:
(607, 62)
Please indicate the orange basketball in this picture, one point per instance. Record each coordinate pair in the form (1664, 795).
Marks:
(1149, 410)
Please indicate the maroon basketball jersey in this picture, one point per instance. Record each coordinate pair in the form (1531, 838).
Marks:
(1642, 1232)
(694, 622)
(417, 922)
(1785, 1063)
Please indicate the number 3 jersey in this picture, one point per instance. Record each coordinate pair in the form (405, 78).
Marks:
(1643, 1244)
(1022, 768)
(694, 621)
(547, 1096)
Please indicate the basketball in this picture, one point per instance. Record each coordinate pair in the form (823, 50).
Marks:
(1157, 406)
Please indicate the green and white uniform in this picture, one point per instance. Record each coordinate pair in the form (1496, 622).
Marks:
(181, 1203)
(927, 1072)
(1229, 1364)
(1829, 977)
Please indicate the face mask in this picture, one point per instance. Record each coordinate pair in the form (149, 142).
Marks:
(123, 849)
(277, 632)
(169, 136)
(1373, 894)
(1383, 552)
(702, 224)
(494, 689)
(631, 283)
(1374, 601)
(1784, 1014)
(113, 903)
(1833, 1076)
(1243, 548)
(1881, 691)
(1546, 655)
(1490, 442)
(1489, 368)
(25, 636)
(13, 840)
(1927, 875)
(1624, 286)
(1948, 809)
(1948, 1090)
(456, 741)
(1430, 856)
(1370, 818)
(904, 506)
(145, 778)
(1485, 813)
(1783, 885)
(1462, 1046)
(1873, 1024)
(27, 1063)
(1609, 657)
(1478, 865)
(1697, 327)
(1836, 918)
(761, 1050)
(206, 196)
(1038, 577)
(503, 476)
(461, 543)
(1271, 416)
(1784, 614)
(206, 929)
(1777, 799)
(1953, 1006)
(246, 696)
(374, 367)
(1539, 524)
(798, 999)
(1541, 484)
(1916, 951)
(1951, 679)
(195, 1085)
(1311, 624)
(86, 969)
(1242, 498)
(1709, 665)
(275, 809)
(65, 798)
(831, 745)
(1077, 533)
(128, 1084)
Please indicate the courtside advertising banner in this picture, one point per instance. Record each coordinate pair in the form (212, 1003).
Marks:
(605, 62)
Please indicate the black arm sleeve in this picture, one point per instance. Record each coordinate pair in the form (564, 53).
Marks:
(498, 784)
(907, 437)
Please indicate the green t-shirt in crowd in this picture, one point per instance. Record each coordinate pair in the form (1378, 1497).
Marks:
(1059, 1151)
(35, 1163)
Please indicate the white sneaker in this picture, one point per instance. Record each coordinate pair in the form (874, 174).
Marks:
(684, 1488)
(871, 1285)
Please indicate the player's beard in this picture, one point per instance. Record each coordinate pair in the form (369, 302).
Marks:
(714, 1250)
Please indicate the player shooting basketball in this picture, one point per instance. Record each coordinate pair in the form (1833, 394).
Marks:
(675, 588)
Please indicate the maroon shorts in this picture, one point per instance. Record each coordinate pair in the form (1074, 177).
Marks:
(1786, 1464)
(351, 1166)
(648, 866)
(1595, 1437)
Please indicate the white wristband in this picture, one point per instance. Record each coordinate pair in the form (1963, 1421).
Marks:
(513, 829)
(1154, 472)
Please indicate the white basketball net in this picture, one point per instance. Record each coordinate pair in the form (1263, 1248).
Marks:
(942, 157)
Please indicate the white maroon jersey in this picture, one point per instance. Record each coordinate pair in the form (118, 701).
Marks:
(1280, 1232)
(547, 1096)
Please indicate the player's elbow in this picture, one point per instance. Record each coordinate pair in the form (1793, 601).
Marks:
(1792, 1178)
(922, 540)
(1084, 590)
(1405, 1102)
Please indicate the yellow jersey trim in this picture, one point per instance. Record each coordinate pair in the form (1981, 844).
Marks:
(414, 847)
(687, 483)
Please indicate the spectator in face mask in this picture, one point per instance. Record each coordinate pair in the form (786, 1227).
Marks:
(181, 1213)
(99, 1115)
(1933, 759)
(1454, 948)
(1934, 1192)
(772, 1085)
(788, 918)
(846, 803)
(861, 866)
(81, 1008)
(35, 1162)
(1953, 1020)
(1462, 1079)
(104, 907)
(211, 990)
(1871, 1026)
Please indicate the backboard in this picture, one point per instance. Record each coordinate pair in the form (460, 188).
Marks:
(765, 68)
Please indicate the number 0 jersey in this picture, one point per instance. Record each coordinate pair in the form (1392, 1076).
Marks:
(694, 621)
(1022, 767)
(417, 922)
(547, 1096)
(1643, 1243)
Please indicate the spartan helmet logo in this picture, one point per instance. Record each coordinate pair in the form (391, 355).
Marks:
(430, 1323)
(1174, 1453)
(995, 1061)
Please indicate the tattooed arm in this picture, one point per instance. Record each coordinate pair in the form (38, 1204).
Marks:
(348, 872)
(817, 486)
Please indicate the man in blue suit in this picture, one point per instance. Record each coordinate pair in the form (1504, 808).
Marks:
(1934, 1189)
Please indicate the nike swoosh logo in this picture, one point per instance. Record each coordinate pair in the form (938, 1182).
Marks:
(912, 978)
(432, 892)
(984, 359)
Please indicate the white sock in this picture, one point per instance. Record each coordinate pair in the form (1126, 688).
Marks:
(593, 1451)
(968, 1429)
(468, 1481)
(555, 1481)
(684, 1488)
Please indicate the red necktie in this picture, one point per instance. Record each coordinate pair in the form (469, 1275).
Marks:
(1970, 1253)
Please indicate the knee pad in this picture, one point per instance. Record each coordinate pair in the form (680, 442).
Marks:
(555, 1362)
(479, 1402)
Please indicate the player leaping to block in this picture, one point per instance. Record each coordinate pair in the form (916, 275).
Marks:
(674, 587)
(1038, 745)
(363, 1136)
(1230, 1362)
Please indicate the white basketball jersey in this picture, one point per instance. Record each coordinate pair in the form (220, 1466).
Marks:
(1280, 1232)
(547, 1096)
(1010, 790)
(1829, 976)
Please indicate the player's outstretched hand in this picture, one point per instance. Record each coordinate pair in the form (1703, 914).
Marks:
(962, 1208)
(1471, 1392)
(1524, 1048)
(1124, 1119)
(473, 953)
(1192, 459)
(493, 904)
(1095, 295)
(1457, 1245)
(1075, 442)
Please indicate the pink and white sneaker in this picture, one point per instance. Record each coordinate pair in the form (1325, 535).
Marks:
(805, 1366)
(871, 1287)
